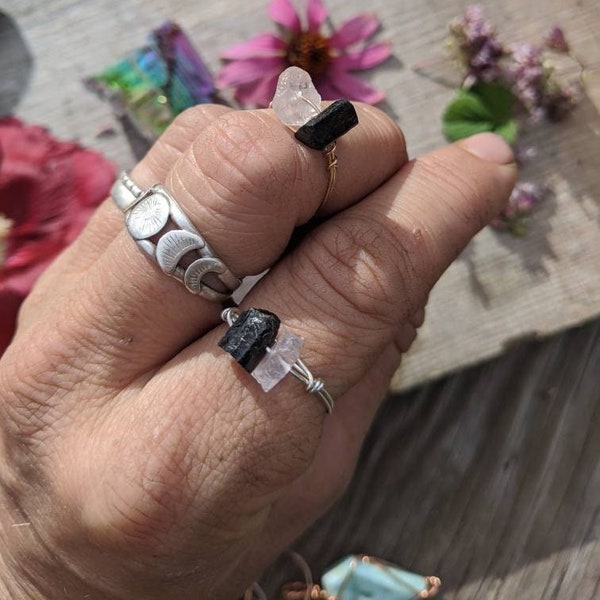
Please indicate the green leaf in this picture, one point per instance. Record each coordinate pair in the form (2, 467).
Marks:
(509, 131)
(467, 106)
(485, 107)
(458, 130)
(498, 100)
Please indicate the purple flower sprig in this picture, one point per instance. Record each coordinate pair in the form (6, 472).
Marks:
(532, 81)
(477, 46)
(522, 71)
(524, 199)
(523, 68)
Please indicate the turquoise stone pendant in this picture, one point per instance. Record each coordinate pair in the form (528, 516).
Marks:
(364, 577)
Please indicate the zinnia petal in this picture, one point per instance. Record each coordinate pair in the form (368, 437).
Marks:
(316, 13)
(354, 30)
(264, 44)
(260, 93)
(353, 88)
(284, 13)
(248, 70)
(366, 58)
(327, 91)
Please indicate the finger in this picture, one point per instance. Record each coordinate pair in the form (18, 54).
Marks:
(370, 268)
(107, 222)
(309, 496)
(347, 290)
(247, 183)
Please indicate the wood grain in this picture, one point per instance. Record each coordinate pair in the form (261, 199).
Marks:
(489, 479)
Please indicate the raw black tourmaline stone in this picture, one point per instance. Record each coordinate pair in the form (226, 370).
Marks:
(330, 124)
(248, 338)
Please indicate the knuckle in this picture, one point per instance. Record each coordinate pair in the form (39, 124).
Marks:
(189, 117)
(196, 117)
(174, 142)
(371, 266)
(241, 159)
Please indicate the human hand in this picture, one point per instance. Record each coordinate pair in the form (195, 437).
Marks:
(145, 462)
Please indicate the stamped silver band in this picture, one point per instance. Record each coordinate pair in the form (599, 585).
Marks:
(161, 229)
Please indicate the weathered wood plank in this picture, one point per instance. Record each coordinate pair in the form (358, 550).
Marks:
(489, 479)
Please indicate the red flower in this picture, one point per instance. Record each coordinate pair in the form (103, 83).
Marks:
(48, 191)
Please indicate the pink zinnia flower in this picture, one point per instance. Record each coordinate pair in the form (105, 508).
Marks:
(256, 64)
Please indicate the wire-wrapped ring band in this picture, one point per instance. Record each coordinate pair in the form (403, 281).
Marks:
(252, 339)
(297, 104)
(161, 229)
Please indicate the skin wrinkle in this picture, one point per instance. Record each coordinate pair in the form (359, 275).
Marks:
(243, 224)
(240, 436)
(358, 268)
(328, 351)
(246, 224)
(337, 338)
(327, 317)
(33, 399)
(260, 453)
(316, 299)
(463, 185)
(243, 151)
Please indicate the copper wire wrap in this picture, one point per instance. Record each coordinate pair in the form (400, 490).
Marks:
(332, 166)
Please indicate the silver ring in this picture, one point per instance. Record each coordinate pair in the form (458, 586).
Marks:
(161, 229)
(253, 341)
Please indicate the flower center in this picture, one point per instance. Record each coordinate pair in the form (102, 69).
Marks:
(309, 51)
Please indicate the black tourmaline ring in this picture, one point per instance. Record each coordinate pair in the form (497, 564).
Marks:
(298, 105)
(253, 341)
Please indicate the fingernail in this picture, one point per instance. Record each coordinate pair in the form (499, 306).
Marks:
(490, 147)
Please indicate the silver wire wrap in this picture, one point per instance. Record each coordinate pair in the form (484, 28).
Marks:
(299, 370)
(161, 229)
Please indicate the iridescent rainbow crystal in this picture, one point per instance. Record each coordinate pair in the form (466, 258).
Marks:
(155, 83)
